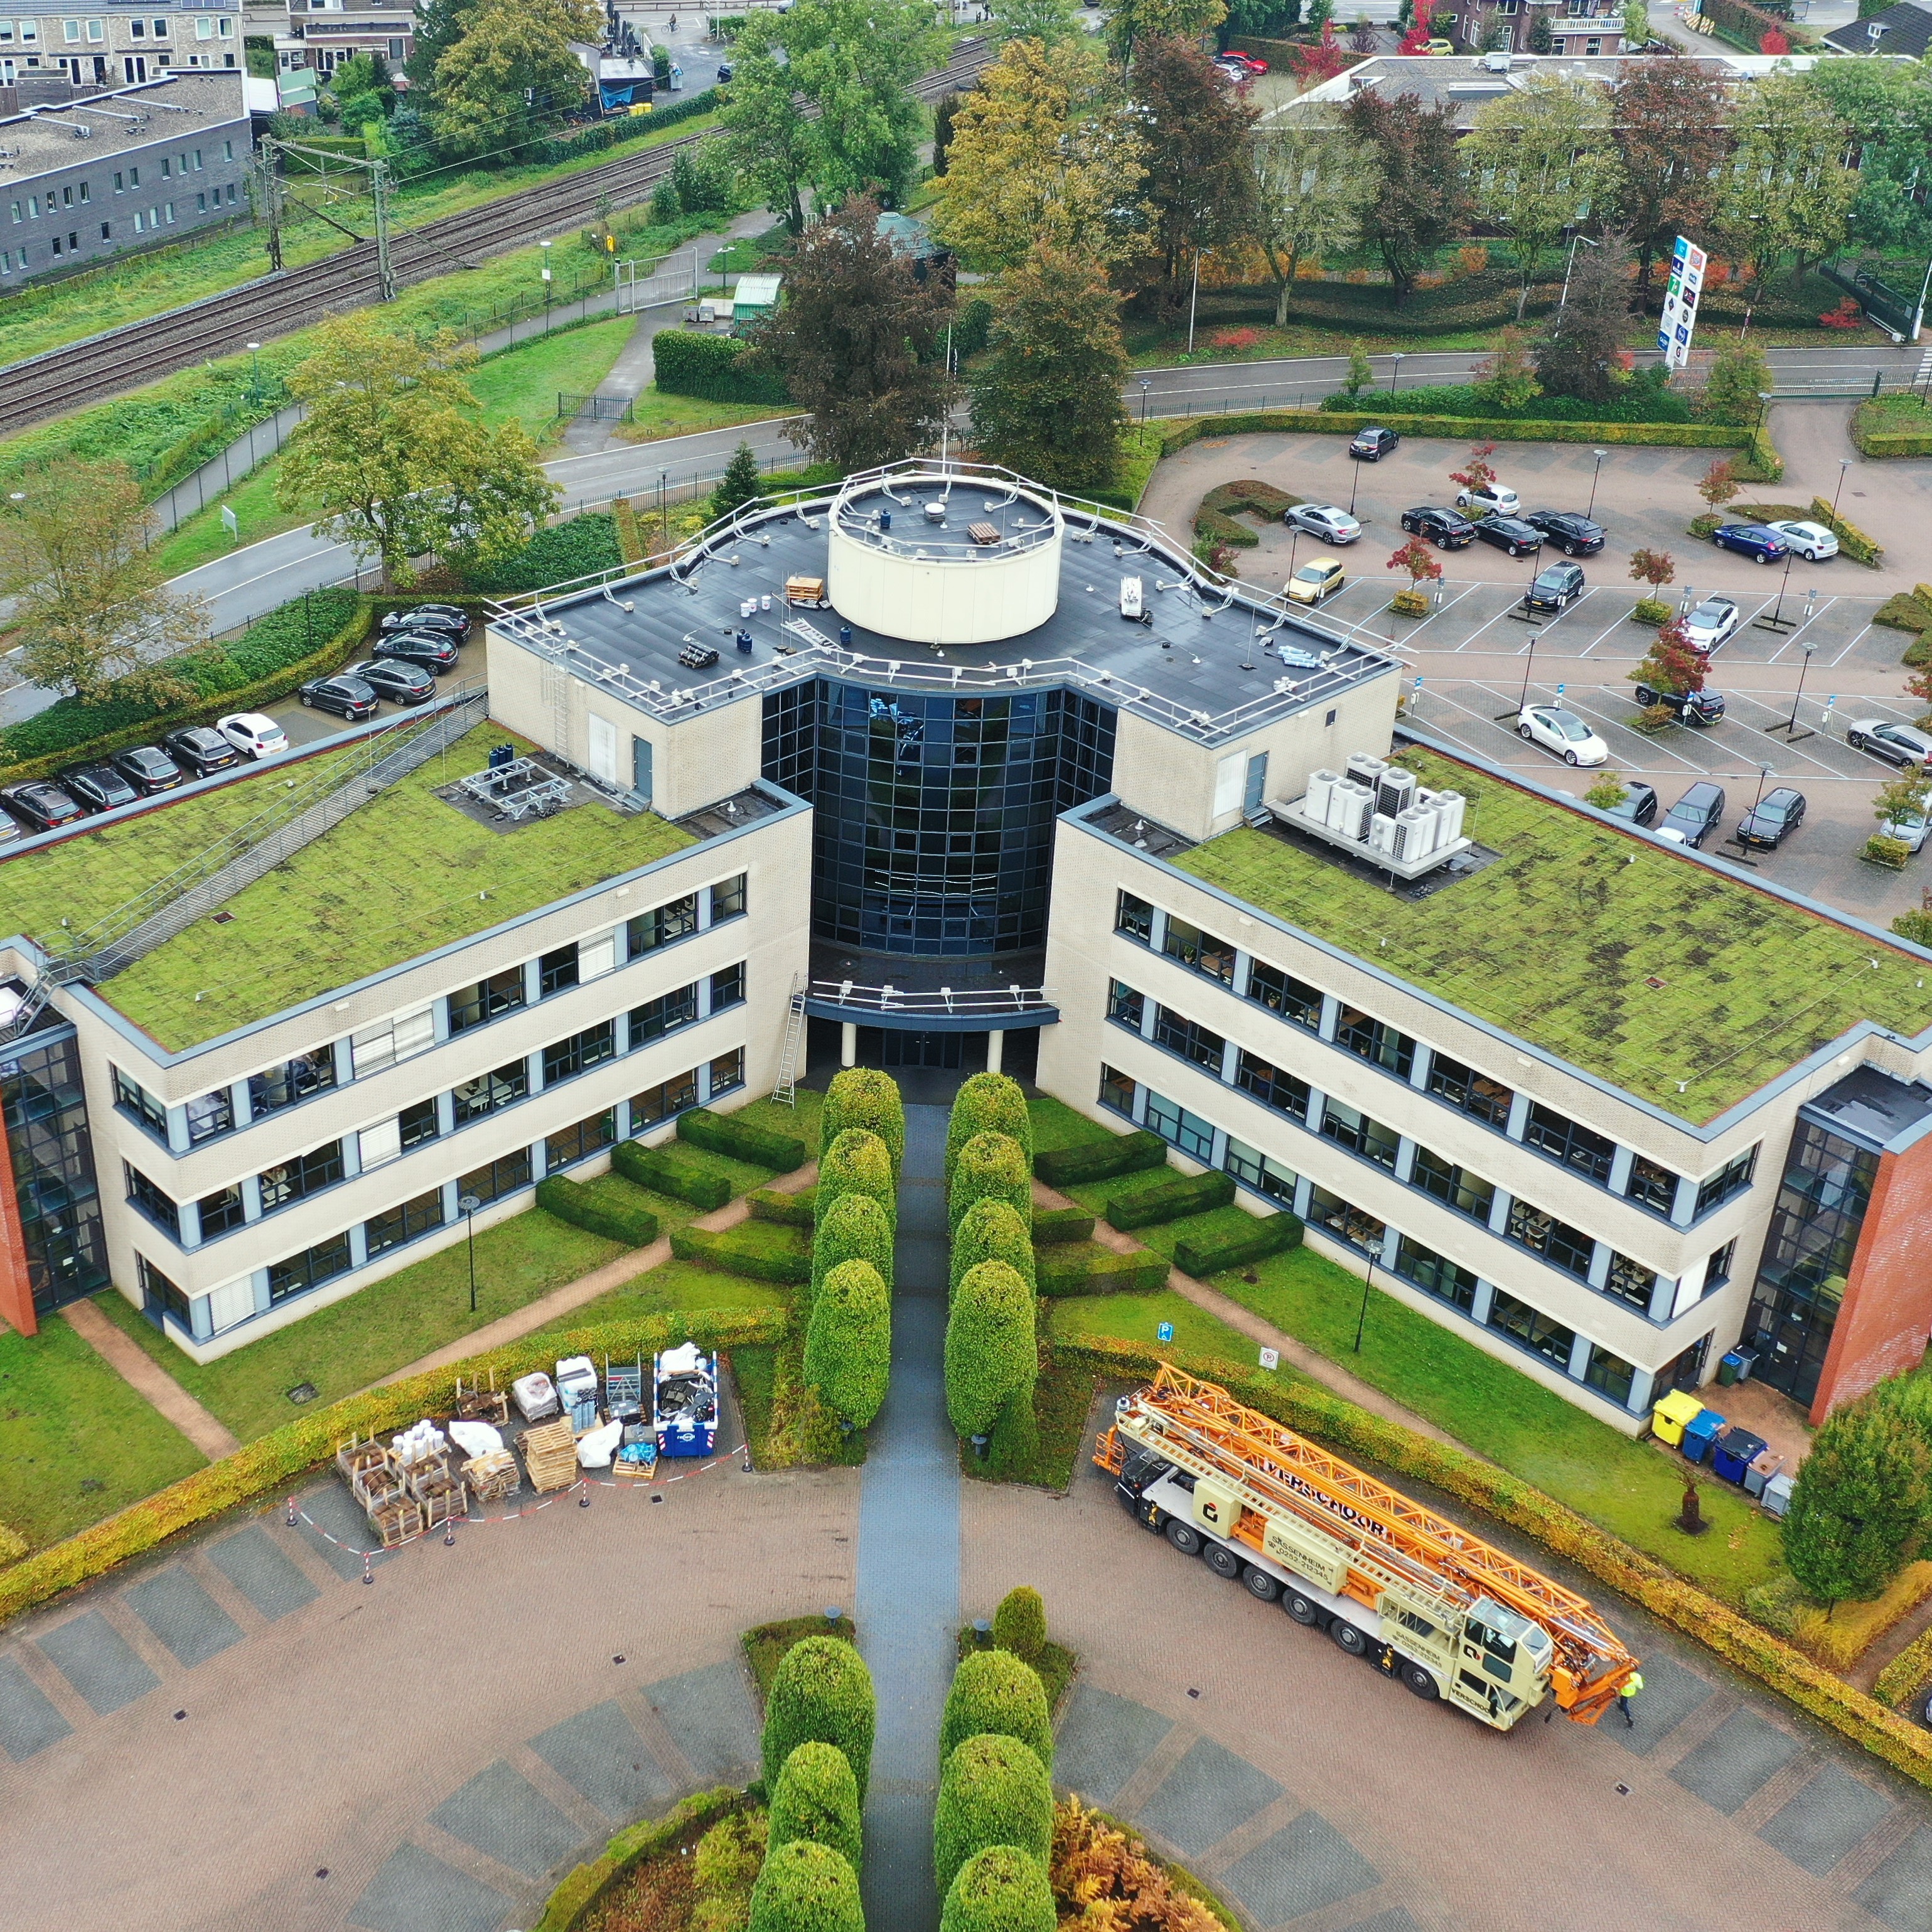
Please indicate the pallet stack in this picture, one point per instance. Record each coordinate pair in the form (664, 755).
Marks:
(491, 1477)
(549, 1452)
(479, 1404)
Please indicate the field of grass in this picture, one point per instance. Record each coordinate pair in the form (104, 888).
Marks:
(1056, 1125)
(664, 1291)
(656, 415)
(203, 537)
(1137, 1318)
(522, 384)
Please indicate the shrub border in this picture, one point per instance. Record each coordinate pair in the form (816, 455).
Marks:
(586, 1886)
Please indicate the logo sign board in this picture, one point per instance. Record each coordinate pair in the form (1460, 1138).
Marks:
(1680, 303)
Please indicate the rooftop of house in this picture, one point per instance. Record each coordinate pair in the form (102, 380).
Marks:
(98, 127)
(1904, 30)
(1686, 988)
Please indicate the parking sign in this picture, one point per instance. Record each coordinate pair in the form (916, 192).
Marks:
(1165, 1333)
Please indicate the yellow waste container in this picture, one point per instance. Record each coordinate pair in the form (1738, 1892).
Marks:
(1672, 1414)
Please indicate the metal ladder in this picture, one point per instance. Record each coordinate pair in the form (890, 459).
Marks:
(785, 1091)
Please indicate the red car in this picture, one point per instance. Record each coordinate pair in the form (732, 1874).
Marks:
(1234, 58)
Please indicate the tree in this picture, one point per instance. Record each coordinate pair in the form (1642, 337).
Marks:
(1199, 187)
(1476, 473)
(703, 185)
(856, 1162)
(88, 600)
(817, 1797)
(513, 74)
(1888, 103)
(1860, 1503)
(1919, 685)
(1507, 381)
(806, 1887)
(1019, 1625)
(1581, 351)
(1002, 1889)
(821, 1693)
(995, 1694)
(1362, 35)
(944, 110)
(771, 143)
(1636, 24)
(1719, 484)
(1772, 42)
(1420, 200)
(1787, 191)
(738, 486)
(1607, 793)
(1049, 22)
(1134, 23)
(1740, 374)
(1321, 60)
(854, 1228)
(439, 24)
(363, 90)
(1418, 559)
(1905, 795)
(857, 341)
(1541, 39)
(992, 1791)
(865, 1098)
(1310, 185)
(1539, 158)
(991, 1349)
(848, 1343)
(990, 1167)
(1656, 568)
(1672, 118)
(1046, 401)
(1361, 372)
(988, 1103)
(1672, 663)
(1415, 41)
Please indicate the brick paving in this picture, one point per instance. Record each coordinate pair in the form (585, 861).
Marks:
(149, 1380)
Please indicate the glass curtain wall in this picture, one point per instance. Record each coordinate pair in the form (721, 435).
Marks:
(52, 1153)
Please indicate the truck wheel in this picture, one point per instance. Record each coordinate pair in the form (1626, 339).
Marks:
(1303, 1608)
(1222, 1561)
(1260, 1584)
(1417, 1679)
(1348, 1638)
(1184, 1536)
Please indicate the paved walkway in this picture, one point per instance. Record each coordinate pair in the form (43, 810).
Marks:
(147, 1378)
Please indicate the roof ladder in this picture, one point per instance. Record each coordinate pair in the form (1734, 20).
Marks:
(785, 1092)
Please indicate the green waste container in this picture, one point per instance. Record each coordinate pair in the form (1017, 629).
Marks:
(1728, 1369)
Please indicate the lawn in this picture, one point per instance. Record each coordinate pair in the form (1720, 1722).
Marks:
(1682, 987)
(76, 1443)
(667, 1290)
(1137, 1318)
(522, 384)
(1056, 1125)
(656, 414)
(404, 874)
(203, 537)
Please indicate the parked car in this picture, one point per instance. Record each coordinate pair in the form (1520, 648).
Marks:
(1696, 814)
(1712, 622)
(1315, 581)
(450, 618)
(148, 769)
(348, 697)
(1562, 732)
(1556, 589)
(1372, 445)
(1692, 707)
(723, 72)
(434, 651)
(1897, 744)
(1251, 62)
(1445, 528)
(1639, 804)
(1439, 46)
(200, 750)
(1574, 534)
(1324, 520)
(1510, 533)
(1492, 500)
(1811, 541)
(400, 683)
(1755, 541)
(1765, 826)
(97, 788)
(1910, 829)
(39, 805)
(252, 734)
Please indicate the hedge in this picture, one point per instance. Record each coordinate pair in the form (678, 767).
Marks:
(1907, 1674)
(854, 1228)
(1001, 1890)
(672, 1170)
(1650, 405)
(990, 1166)
(1051, 1225)
(267, 1464)
(848, 1344)
(1882, 443)
(788, 1210)
(1853, 541)
(559, 553)
(687, 362)
(1101, 1160)
(987, 1103)
(992, 1791)
(1271, 1235)
(992, 1347)
(740, 1140)
(817, 1797)
(569, 1904)
(750, 1249)
(994, 1693)
(990, 1231)
(571, 1201)
(865, 1098)
(857, 1162)
(1089, 1269)
(821, 1693)
(1169, 1200)
(806, 1887)
(1215, 519)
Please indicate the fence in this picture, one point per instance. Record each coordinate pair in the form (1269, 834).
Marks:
(598, 409)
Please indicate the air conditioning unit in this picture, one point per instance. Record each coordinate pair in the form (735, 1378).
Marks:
(1365, 769)
(1449, 806)
(1351, 806)
(1321, 784)
(1395, 791)
(1381, 834)
(1415, 835)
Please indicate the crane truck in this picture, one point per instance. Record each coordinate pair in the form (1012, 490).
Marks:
(1456, 1619)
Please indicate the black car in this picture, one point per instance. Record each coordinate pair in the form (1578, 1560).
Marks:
(39, 805)
(432, 651)
(1510, 533)
(724, 70)
(1692, 707)
(450, 619)
(97, 787)
(201, 750)
(1372, 445)
(147, 769)
(400, 683)
(1556, 589)
(1447, 529)
(1774, 814)
(347, 696)
(1573, 534)
(1639, 804)
(1696, 813)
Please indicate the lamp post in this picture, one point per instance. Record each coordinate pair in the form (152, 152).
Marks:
(1355, 483)
(1145, 386)
(1763, 403)
(1528, 667)
(467, 1207)
(1361, 1319)
(1595, 475)
(1193, 300)
(544, 258)
(1790, 727)
(1563, 300)
(254, 370)
(1844, 463)
(1395, 375)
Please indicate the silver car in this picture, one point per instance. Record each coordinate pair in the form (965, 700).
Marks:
(1712, 622)
(1897, 744)
(1332, 525)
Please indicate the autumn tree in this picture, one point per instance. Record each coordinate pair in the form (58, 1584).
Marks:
(1199, 187)
(1133, 23)
(512, 73)
(1310, 185)
(1740, 374)
(857, 341)
(1580, 352)
(87, 597)
(1419, 560)
(1719, 484)
(1318, 60)
(1507, 379)
(1673, 663)
(1788, 190)
(1476, 473)
(1672, 118)
(1905, 795)
(1420, 200)
(1656, 568)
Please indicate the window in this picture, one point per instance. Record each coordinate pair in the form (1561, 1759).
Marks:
(96, 32)
(661, 1102)
(664, 1014)
(1201, 950)
(294, 1080)
(727, 988)
(57, 248)
(70, 32)
(1125, 1005)
(579, 1142)
(385, 1232)
(418, 1123)
(134, 1100)
(201, 203)
(1608, 1375)
(160, 33)
(1189, 1038)
(662, 924)
(556, 972)
(152, 1202)
(1253, 1168)
(1189, 1132)
(307, 1173)
(488, 1092)
(487, 1000)
(107, 234)
(1730, 1179)
(1359, 1134)
(309, 1269)
(1533, 1329)
(496, 1178)
(1455, 1187)
(84, 195)
(1436, 1274)
(1562, 1139)
(119, 185)
(228, 154)
(1630, 1281)
(1651, 1186)
(1116, 1091)
(1474, 1093)
(1717, 1269)
(728, 1071)
(1346, 1223)
(220, 1211)
(1281, 993)
(157, 1291)
(1377, 1041)
(167, 166)
(398, 1039)
(727, 900)
(133, 177)
(1272, 1087)
(1133, 916)
(564, 1058)
(1556, 1240)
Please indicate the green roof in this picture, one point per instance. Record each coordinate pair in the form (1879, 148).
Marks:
(1684, 988)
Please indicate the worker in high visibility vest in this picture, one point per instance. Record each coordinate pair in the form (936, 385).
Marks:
(1632, 1685)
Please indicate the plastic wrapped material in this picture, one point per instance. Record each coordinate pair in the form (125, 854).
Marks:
(594, 1451)
(535, 1395)
(419, 1443)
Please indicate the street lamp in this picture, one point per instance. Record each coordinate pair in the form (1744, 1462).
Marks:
(467, 1207)
(1528, 667)
(1844, 463)
(1563, 300)
(1807, 647)
(1361, 1320)
(1396, 375)
(544, 258)
(1594, 476)
(254, 370)
(1145, 386)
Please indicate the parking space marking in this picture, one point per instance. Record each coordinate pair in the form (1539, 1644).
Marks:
(1854, 644)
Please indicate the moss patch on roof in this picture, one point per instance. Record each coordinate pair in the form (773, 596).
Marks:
(1684, 988)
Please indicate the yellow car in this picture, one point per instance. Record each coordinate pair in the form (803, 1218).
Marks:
(1440, 47)
(1313, 582)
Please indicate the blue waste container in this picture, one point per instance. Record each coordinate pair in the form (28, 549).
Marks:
(1700, 1434)
(1734, 1452)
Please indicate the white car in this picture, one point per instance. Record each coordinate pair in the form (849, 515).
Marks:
(1492, 500)
(1712, 622)
(1908, 828)
(1325, 521)
(1562, 732)
(252, 735)
(1807, 540)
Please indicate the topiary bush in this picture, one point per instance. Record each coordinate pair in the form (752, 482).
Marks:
(725, 1868)
(992, 1352)
(1270, 1234)
(1000, 1890)
(848, 1343)
(993, 1791)
(571, 1201)
(806, 1887)
(740, 1140)
(987, 1103)
(852, 1229)
(990, 1166)
(1019, 1625)
(865, 1098)
(1053, 1224)
(989, 1231)
(821, 1693)
(857, 1162)
(994, 1692)
(1084, 1268)
(817, 1797)
(1101, 1160)
(789, 1210)
(682, 1172)
(1170, 1200)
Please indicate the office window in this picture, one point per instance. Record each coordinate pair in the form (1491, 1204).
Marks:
(1188, 1131)
(1133, 916)
(57, 248)
(133, 177)
(157, 1206)
(1253, 1168)
(1630, 1281)
(228, 154)
(1608, 1375)
(220, 1211)
(399, 1039)
(487, 999)
(1271, 1086)
(727, 988)
(33, 207)
(289, 1181)
(1533, 1329)
(309, 1269)
(571, 1144)
(489, 1092)
(403, 1223)
(1570, 1248)
(107, 234)
(158, 1291)
(1201, 950)
(119, 183)
(664, 1014)
(96, 32)
(1455, 1187)
(727, 900)
(1377, 1041)
(661, 1102)
(84, 196)
(1651, 1186)
(564, 1058)
(1565, 1140)
(1475, 1094)
(201, 203)
(556, 972)
(1345, 1222)
(1717, 1269)
(662, 924)
(1359, 1134)
(167, 165)
(169, 211)
(1189, 1038)
(728, 1071)
(6, 33)
(1283, 993)
(15, 208)
(1436, 1274)
(1117, 1090)
(134, 1100)
(418, 1123)
(160, 29)
(1731, 1178)
(229, 192)
(294, 1080)
(1125, 1005)
(495, 1178)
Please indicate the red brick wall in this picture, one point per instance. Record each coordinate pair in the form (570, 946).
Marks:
(17, 1290)
(1881, 1328)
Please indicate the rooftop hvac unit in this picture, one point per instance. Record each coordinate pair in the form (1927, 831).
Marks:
(1321, 784)
(1395, 791)
(1350, 806)
(1449, 809)
(1415, 835)
(1381, 833)
(1365, 769)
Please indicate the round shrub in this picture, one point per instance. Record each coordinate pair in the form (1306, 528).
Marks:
(992, 1353)
(995, 1694)
(990, 1167)
(817, 1797)
(1019, 1625)
(988, 1103)
(848, 1343)
(853, 1228)
(993, 1791)
(806, 1887)
(1001, 1890)
(857, 1162)
(822, 1693)
(989, 1231)
(864, 1098)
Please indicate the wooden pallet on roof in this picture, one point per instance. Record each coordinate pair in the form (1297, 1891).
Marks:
(550, 1454)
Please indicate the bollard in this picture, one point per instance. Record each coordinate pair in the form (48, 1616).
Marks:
(292, 1512)
(368, 1567)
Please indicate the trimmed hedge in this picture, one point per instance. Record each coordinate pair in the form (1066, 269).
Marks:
(992, 1349)
(1101, 1160)
(857, 1162)
(992, 1791)
(788, 1210)
(865, 1098)
(987, 1103)
(1853, 541)
(1907, 1674)
(1271, 1235)
(806, 1887)
(571, 1201)
(567, 1906)
(1649, 405)
(1097, 1270)
(1019, 1625)
(1051, 1225)
(1169, 1200)
(990, 1167)
(821, 1693)
(989, 1231)
(1483, 429)
(1001, 1890)
(740, 1140)
(996, 1693)
(854, 1228)
(817, 1797)
(1215, 519)
(756, 1250)
(688, 362)
(848, 1345)
(670, 1169)
(558, 554)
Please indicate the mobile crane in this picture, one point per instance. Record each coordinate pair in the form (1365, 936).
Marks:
(1454, 1618)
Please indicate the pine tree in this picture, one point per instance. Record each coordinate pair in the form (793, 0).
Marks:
(1860, 1504)
(738, 486)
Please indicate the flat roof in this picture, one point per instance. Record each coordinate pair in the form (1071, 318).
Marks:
(1686, 988)
(1870, 1105)
(158, 113)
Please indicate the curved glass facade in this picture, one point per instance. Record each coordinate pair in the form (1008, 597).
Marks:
(933, 814)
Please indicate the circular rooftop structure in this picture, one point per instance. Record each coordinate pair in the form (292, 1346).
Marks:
(941, 558)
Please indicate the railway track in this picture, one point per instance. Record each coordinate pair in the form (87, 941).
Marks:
(108, 364)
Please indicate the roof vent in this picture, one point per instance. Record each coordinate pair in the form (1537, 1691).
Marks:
(1497, 61)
